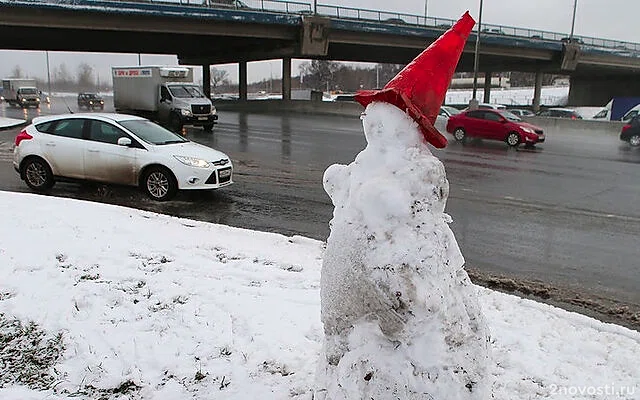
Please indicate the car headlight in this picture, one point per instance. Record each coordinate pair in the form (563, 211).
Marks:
(193, 162)
(528, 130)
(186, 113)
(213, 110)
(23, 100)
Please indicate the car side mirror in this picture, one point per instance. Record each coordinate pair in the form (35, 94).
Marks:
(124, 141)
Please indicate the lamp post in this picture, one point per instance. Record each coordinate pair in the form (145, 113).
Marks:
(476, 58)
(48, 74)
(573, 21)
(426, 7)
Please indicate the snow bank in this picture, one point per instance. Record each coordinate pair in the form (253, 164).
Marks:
(168, 308)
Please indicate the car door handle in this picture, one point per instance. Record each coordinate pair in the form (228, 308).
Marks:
(51, 144)
(93, 151)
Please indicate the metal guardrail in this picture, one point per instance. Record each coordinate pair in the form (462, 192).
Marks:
(340, 12)
(616, 47)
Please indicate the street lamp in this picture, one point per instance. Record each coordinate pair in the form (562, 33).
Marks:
(476, 59)
(426, 7)
(573, 21)
(48, 74)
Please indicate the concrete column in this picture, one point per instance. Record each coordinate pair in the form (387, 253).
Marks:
(487, 87)
(206, 80)
(537, 91)
(242, 80)
(286, 78)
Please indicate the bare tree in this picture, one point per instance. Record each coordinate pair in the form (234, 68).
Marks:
(219, 77)
(85, 76)
(319, 74)
(16, 72)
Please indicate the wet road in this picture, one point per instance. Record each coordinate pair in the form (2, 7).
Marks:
(566, 214)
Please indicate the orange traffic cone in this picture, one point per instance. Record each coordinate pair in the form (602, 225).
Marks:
(420, 87)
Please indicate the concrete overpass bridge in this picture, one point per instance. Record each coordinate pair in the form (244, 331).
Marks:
(206, 34)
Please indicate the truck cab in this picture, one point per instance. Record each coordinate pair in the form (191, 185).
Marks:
(184, 104)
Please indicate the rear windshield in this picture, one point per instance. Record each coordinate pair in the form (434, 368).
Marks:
(151, 132)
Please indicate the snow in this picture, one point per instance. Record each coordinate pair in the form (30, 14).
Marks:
(550, 96)
(162, 301)
(10, 122)
(399, 312)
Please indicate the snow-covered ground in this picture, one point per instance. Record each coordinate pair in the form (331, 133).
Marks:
(155, 307)
(10, 122)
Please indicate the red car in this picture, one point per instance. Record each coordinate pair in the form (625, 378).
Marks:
(495, 125)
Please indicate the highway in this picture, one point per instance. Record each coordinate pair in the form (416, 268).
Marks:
(561, 220)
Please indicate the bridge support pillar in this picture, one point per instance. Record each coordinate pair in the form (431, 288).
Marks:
(537, 92)
(286, 78)
(206, 80)
(487, 87)
(599, 90)
(242, 80)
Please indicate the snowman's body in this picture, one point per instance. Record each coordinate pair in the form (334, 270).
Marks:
(401, 318)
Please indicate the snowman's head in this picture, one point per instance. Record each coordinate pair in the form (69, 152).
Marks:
(388, 126)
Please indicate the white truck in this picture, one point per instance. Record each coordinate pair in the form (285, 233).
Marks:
(163, 94)
(21, 92)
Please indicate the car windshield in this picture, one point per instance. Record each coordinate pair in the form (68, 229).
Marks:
(91, 96)
(185, 91)
(28, 91)
(510, 116)
(151, 132)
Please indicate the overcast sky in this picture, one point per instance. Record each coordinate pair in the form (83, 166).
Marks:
(612, 19)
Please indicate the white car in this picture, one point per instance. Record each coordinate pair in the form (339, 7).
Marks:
(116, 148)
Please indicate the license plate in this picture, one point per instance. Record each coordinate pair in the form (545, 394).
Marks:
(224, 173)
(202, 118)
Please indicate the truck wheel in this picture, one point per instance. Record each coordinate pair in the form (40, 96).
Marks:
(208, 128)
(159, 183)
(175, 123)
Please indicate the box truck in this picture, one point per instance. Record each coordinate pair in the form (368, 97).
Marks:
(163, 94)
(21, 92)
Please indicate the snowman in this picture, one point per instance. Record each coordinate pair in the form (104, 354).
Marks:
(401, 317)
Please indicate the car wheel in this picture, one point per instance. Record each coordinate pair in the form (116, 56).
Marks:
(175, 124)
(37, 174)
(513, 139)
(159, 183)
(208, 128)
(459, 134)
(634, 140)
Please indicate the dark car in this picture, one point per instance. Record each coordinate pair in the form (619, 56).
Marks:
(494, 125)
(560, 113)
(90, 101)
(631, 132)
